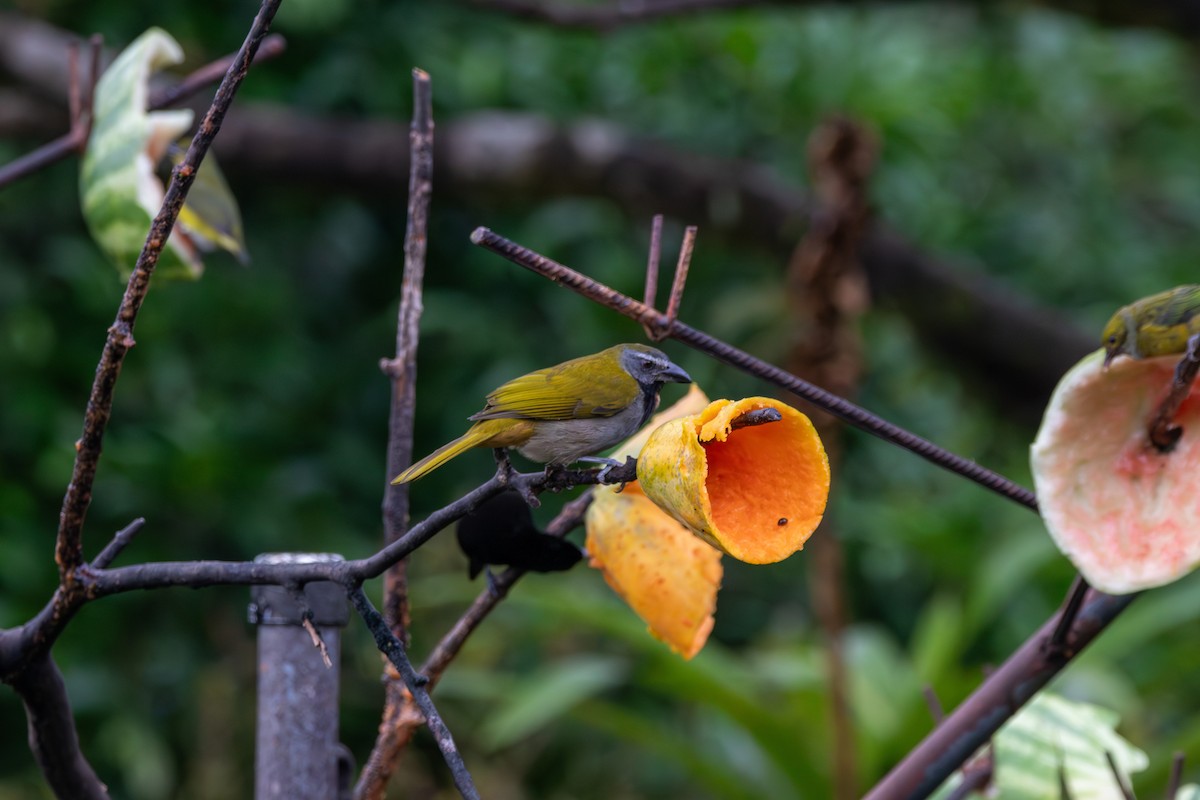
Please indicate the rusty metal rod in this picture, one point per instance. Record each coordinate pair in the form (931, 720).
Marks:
(839, 407)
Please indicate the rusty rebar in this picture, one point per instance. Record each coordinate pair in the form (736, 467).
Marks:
(841, 408)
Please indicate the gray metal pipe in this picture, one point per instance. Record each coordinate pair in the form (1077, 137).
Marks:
(297, 754)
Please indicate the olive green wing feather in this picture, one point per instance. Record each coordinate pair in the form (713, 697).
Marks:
(585, 387)
(1180, 306)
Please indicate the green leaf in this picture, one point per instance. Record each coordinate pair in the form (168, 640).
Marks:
(548, 693)
(1053, 732)
(118, 187)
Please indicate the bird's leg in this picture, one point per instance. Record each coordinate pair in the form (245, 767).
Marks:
(504, 467)
(493, 589)
(509, 477)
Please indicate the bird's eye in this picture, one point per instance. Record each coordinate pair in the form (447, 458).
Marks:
(1112, 339)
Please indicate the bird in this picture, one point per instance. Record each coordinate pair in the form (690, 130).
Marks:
(501, 531)
(567, 412)
(1158, 325)
(210, 216)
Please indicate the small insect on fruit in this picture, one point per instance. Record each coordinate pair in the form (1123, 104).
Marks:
(1158, 325)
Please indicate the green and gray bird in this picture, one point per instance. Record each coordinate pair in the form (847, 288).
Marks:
(1158, 325)
(566, 412)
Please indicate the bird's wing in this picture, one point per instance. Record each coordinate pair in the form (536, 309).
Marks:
(574, 390)
(1181, 306)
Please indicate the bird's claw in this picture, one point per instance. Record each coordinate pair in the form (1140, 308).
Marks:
(493, 589)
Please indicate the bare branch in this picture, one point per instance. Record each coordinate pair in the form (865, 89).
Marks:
(119, 542)
(390, 646)
(52, 736)
(402, 371)
(272, 46)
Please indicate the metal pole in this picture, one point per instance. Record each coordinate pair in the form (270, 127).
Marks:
(296, 750)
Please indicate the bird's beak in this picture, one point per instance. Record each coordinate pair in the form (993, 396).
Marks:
(674, 374)
(1109, 355)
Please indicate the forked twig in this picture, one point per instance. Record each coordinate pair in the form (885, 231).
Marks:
(75, 140)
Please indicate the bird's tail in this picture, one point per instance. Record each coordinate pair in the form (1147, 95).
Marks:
(474, 437)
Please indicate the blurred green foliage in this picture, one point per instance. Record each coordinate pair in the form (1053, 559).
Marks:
(251, 416)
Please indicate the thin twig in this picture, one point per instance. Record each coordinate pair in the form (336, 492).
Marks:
(1176, 778)
(317, 641)
(973, 780)
(80, 103)
(843, 409)
(1064, 789)
(118, 543)
(75, 140)
(1164, 433)
(933, 704)
(272, 47)
(68, 546)
(391, 647)
(74, 99)
(1126, 789)
(680, 279)
(1076, 594)
(402, 372)
(652, 261)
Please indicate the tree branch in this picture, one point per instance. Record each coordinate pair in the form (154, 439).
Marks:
(52, 737)
(402, 722)
(402, 371)
(996, 700)
(390, 646)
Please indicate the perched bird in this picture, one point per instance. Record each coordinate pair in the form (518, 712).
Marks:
(210, 216)
(564, 413)
(1158, 325)
(501, 531)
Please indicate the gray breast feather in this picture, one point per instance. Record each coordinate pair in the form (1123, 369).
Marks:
(564, 441)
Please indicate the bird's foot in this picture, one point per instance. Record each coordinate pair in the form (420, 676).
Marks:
(493, 589)
(625, 472)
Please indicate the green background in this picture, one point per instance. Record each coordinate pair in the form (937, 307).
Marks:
(1036, 148)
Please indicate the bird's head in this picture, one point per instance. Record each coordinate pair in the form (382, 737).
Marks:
(1120, 336)
(649, 366)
